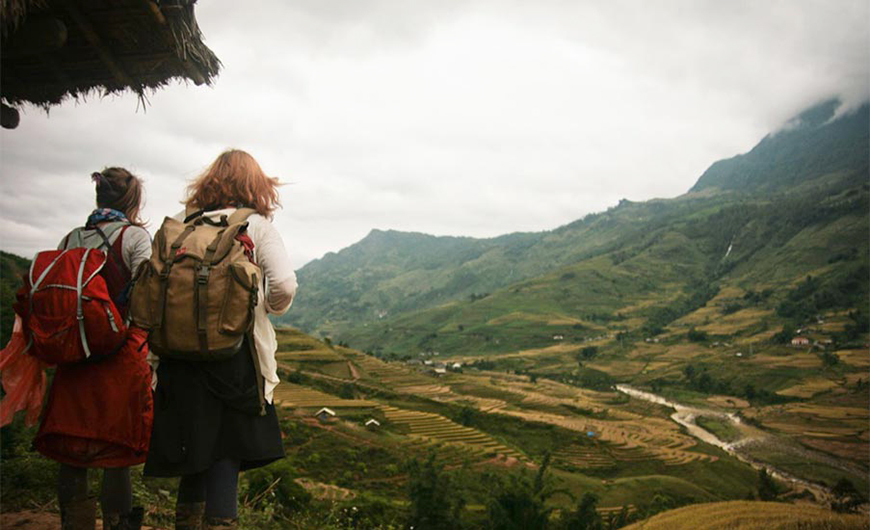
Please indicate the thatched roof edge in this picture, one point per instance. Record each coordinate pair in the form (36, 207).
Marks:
(195, 61)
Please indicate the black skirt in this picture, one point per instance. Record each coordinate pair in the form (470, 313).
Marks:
(210, 411)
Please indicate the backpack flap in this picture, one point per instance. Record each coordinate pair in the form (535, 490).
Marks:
(198, 292)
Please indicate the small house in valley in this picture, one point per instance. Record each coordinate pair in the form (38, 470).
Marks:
(372, 424)
(800, 341)
(325, 414)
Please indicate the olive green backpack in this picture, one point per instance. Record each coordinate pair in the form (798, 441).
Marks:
(197, 293)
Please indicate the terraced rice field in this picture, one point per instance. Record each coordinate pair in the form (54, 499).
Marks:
(799, 359)
(619, 368)
(447, 454)
(808, 388)
(436, 428)
(746, 515)
(431, 391)
(613, 511)
(735, 322)
(393, 375)
(289, 395)
(630, 441)
(859, 358)
(682, 352)
(480, 403)
(294, 345)
(309, 356)
(552, 394)
(728, 402)
(585, 457)
(828, 411)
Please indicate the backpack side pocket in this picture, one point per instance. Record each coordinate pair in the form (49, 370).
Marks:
(240, 298)
(144, 296)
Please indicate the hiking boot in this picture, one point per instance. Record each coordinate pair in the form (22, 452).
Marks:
(222, 523)
(189, 515)
(129, 521)
(80, 514)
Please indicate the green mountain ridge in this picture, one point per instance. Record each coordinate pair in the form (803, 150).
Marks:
(810, 146)
(762, 220)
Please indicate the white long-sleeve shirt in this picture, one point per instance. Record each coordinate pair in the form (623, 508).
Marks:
(275, 295)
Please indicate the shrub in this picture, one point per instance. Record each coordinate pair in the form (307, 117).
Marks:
(274, 484)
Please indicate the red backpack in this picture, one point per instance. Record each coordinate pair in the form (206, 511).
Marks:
(67, 310)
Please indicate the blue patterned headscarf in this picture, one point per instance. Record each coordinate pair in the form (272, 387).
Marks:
(102, 215)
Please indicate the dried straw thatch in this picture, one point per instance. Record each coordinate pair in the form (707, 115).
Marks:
(54, 49)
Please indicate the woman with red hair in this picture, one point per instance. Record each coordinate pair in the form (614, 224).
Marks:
(208, 424)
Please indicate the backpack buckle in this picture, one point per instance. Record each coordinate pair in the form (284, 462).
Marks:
(202, 275)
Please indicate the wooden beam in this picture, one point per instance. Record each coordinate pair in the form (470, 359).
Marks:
(189, 67)
(94, 40)
(154, 9)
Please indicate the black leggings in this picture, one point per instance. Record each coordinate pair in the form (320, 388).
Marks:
(116, 494)
(217, 487)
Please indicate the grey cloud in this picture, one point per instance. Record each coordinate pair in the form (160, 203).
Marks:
(464, 118)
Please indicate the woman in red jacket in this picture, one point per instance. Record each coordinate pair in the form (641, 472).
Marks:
(99, 415)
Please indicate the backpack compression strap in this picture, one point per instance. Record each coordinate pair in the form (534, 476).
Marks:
(201, 293)
(79, 312)
(168, 260)
(204, 270)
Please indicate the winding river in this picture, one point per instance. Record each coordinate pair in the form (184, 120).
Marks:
(686, 416)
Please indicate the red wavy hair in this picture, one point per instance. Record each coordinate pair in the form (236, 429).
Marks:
(234, 179)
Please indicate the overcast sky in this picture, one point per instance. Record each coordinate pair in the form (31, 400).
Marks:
(472, 118)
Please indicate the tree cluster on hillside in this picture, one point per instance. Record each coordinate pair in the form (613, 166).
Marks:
(520, 501)
(698, 294)
(813, 296)
(700, 380)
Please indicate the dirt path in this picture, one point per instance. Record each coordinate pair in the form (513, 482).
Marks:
(354, 373)
(38, 520)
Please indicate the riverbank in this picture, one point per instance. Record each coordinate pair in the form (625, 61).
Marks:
(749, 436)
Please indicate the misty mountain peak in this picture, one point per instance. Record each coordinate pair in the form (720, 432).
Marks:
(811, 146)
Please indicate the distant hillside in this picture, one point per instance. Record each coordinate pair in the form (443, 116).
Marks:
(11, 269)
(797, 204)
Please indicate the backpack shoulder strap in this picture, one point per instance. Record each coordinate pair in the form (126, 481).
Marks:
(73, 239)
(110, 230)
(192, 215)
(241, 215)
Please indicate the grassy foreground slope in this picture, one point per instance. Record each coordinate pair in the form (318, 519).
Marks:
(751, 515)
